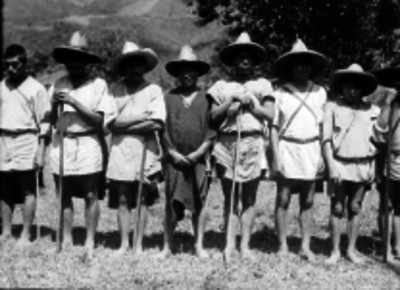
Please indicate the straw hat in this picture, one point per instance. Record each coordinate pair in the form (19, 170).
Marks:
(130, 51)
(300, 51)
(389, 75)
(77, 49)
(187, 57)
(354, 73)
(242, 44)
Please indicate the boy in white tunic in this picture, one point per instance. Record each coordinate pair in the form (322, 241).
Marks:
(349, 152)
(23, 105)
(242, 104)
(295, 138)
(141, 113)
(86, 108)
(390, 78)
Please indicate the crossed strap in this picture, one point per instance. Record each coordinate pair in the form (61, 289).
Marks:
(303, 104)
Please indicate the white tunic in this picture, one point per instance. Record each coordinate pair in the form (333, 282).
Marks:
(295, 160)
(126, 149)
(82, 155)
(22, 108)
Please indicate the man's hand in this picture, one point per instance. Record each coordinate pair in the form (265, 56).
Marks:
(178, 158)
(390, 95)
(65, 98)
(39, 160)
(233, 109)
(193, 157)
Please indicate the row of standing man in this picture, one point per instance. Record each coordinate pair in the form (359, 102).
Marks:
(182, 136)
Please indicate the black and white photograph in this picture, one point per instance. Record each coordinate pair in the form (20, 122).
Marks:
(200, 144)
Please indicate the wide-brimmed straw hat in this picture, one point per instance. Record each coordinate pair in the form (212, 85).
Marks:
(131, 51)
(242, 44)
(77, 49)
(389, 75)
(354, 73)
(187, 57)
(299, 51)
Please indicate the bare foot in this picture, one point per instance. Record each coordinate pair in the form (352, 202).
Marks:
(308, 255)
(248, 254)
(283, 251)
(23, 242)
(120, 252)
(165, 253)
(390, 258)
(67, 244)
(138, 251)
(333, 259)
(201, 253)
(227, 255)
(354, 258)
(5, 238)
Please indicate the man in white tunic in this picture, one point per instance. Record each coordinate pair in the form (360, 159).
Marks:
(86, 109)
(23, 105)
(295, 137)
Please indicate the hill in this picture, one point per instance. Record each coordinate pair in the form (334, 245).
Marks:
(164, 25)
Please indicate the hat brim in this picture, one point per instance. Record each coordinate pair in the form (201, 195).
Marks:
(173, 67)
(150, 60)
(63, 54)
(227, 54)
(387, 77)
(284, 64)
(367, 81)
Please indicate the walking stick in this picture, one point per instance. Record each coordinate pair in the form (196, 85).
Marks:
(135, 237)
(229, 228)
(60, 183)
(37, 172)
(388, 189)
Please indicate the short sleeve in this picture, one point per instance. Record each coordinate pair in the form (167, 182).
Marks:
(106, 104)
(216, 92)
(265, 91)
(156, 106)
(327, 129)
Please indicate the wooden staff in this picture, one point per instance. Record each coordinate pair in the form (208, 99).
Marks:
(60, 183)
(229, 228)
(135, 238)
(37, 172)
(388, 188)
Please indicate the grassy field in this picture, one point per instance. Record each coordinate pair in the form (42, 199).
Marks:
(39, 266)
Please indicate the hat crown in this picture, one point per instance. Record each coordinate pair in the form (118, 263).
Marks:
(355, 67)
(244, 37)
(78, 40)
(187, 53)
(130, 46)
(299, 46)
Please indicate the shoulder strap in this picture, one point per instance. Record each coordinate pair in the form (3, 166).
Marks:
(348, 128)
(301, 105)
(30, 104)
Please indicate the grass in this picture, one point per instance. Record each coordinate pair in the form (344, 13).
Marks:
(39, 266)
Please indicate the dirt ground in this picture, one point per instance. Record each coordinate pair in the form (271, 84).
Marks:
(39, 266)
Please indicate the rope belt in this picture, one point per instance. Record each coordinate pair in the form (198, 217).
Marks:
(354, 159)
(78, 134)
(17, 132)
(243, 134)
(300, 141)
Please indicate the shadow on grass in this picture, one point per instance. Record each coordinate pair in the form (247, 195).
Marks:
(16, 231)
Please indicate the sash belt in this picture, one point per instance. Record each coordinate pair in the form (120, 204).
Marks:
(78, 134)
(354, 159)
(300, 141)
(242, 134)
(16, 132)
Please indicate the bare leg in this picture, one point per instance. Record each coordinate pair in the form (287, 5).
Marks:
(28, 216)
(123, 216)
(92, 214)
(138, 246)
(230, 218)
(281, 214)
(355, 200)
(7, 209)
(199, 223)
(306, 218)
(248, 216)
(169, 228)
(337, 210)
(396, 227)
